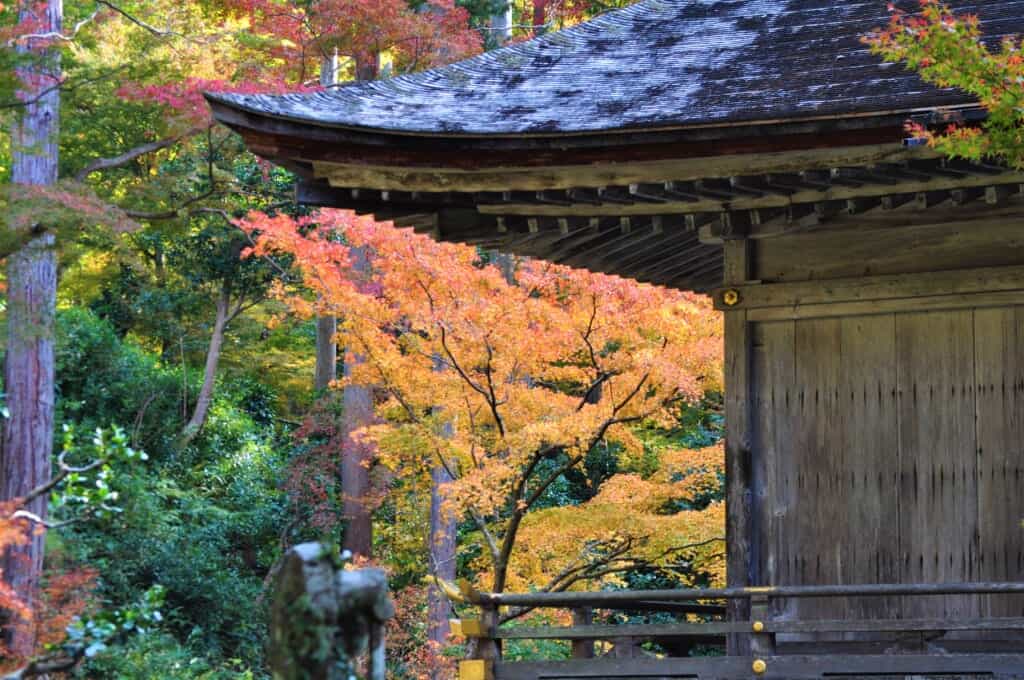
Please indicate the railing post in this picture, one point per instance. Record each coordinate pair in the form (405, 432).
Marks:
(487, 650)
(582, 649)
(762, 642)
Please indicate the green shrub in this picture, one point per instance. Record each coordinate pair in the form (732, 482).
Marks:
(204, 522)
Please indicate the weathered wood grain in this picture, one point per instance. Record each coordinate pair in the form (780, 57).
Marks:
(868, 252)
(816, 530)
(868, 430)
(775, 466)
(870, 288)
(938, 512)
(999, 372)
(739, 496)
(978, 300)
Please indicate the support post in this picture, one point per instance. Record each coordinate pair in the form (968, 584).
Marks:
(762, 642)
(487, 650)
(738, 464)
(582, 649)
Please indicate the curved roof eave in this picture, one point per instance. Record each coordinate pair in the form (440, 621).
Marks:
(658, 65)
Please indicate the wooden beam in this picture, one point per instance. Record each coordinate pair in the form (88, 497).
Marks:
(522, 178)
(1010, 298)
(892, 196)
(890, 219)
(610, 632)
(788, 667)
(876, 288)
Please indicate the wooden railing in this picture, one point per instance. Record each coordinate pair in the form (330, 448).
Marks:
(766, 644)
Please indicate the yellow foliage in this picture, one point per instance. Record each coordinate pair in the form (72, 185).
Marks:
(629, 508)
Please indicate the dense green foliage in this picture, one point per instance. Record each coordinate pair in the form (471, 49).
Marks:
(203, 521)
(206, 522)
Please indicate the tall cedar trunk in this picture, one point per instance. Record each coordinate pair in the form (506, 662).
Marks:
(357, 456)
(220, 324)
(326, 370)
(540, 10)
(443, 527)
(31, 303)
(357, 412)
(501, 25)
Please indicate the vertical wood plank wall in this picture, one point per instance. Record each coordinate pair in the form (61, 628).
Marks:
(885, 446)
(892, 450)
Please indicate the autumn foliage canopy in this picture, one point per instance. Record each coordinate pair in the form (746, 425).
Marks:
(509, 383)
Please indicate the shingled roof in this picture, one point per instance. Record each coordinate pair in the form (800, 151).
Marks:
(655, 64)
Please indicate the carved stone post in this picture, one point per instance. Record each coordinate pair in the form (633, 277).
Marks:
(322, 614)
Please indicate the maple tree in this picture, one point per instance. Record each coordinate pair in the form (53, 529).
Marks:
(164, 56)
(415, 35)
(633, 523)
(949, 50)
(532, 376)
(139, 153)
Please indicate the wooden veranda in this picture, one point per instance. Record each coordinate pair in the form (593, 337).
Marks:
(873, 296)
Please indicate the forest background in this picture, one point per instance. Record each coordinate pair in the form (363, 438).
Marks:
(235, 373)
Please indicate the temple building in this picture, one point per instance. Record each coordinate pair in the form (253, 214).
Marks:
(873, 296)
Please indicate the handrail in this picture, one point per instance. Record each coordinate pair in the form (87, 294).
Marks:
(751, 639)
(621, 599)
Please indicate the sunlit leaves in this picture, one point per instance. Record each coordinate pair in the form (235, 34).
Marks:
(949, 50)
(494, 378)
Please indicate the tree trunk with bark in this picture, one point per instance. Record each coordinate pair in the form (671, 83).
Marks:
(31, 304)
(358, 412)
(220, 324)
(326, 370)
(442, 541)
(540, 16)
(443, 527)
(501, 25)
(357, 456)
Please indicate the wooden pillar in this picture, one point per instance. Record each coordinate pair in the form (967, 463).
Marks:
(739, 528)
(582, 649)
(762, 642)
(486, 650)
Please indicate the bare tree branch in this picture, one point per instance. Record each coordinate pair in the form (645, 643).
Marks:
(130, 155)
(55, 35)
(159, 32)
(171, 213)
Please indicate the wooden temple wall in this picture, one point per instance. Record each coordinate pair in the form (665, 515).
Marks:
(876, 420)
